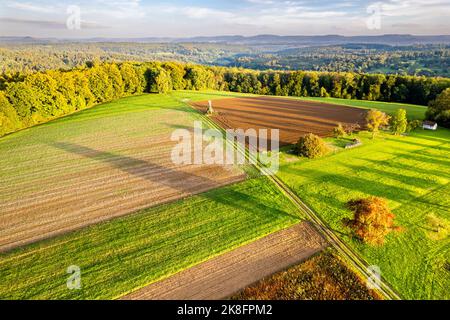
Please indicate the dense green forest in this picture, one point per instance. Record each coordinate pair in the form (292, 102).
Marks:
(26, 58)
(29, 99)
(419, 60)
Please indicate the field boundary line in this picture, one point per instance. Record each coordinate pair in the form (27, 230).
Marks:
(348, 254)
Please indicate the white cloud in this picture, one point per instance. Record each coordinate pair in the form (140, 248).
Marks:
(133, 17)
(206, 13)
(115, 9)
(26, 6)
(409, 8)
(265, 2)
(265, 17)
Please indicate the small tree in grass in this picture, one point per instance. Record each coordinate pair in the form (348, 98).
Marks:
(399, 123)
(311, 146)
(339, 131)
(352, 128)
(376, 119)
(373, 220)
(413, 125)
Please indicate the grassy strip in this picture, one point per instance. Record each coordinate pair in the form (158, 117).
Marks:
(414, 112)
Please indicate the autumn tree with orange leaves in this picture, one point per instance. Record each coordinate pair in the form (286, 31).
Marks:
(373, 220)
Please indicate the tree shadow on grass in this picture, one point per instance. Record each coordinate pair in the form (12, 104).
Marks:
(427, 153)
(183, 182)
(393, 164)
(422, 158)
(359, 184)
(414, 143)
(431, 135)
(406, 180)
(342, 142)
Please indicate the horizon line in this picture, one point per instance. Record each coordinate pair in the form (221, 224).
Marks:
(233, 35)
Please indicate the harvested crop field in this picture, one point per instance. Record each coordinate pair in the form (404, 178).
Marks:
(95, 165)
(293, 118)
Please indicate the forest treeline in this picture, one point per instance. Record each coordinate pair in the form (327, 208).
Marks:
(26, 100)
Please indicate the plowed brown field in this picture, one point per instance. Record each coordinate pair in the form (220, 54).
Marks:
(293, 118)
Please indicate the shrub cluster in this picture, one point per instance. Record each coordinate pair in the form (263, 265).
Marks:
(311, 146)
(439, 109)
(339, 131)
(373, 220)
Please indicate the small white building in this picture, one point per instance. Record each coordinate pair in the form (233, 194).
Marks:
(429, 125)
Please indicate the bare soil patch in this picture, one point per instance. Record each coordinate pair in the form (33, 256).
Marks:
(293, 118)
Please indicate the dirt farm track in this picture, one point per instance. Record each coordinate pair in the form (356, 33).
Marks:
(293, 118)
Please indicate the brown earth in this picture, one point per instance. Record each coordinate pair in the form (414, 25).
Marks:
(222, 276)
(66, 184)
(294, 118)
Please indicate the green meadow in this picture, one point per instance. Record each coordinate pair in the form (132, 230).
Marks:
(413, 174)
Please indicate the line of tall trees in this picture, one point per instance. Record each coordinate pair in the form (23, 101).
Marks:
(26, 100)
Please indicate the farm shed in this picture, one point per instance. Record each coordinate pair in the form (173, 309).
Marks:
(429, 125)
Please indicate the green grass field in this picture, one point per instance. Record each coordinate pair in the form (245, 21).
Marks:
(413, 174)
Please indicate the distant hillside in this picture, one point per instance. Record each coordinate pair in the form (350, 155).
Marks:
(327, 39)
(392, 39)
(263, 52)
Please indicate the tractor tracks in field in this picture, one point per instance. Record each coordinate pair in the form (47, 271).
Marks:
(358, 264)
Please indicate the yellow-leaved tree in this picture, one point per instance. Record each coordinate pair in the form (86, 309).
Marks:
(375, 120)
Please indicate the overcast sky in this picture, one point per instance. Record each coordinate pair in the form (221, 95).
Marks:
(145, 18)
